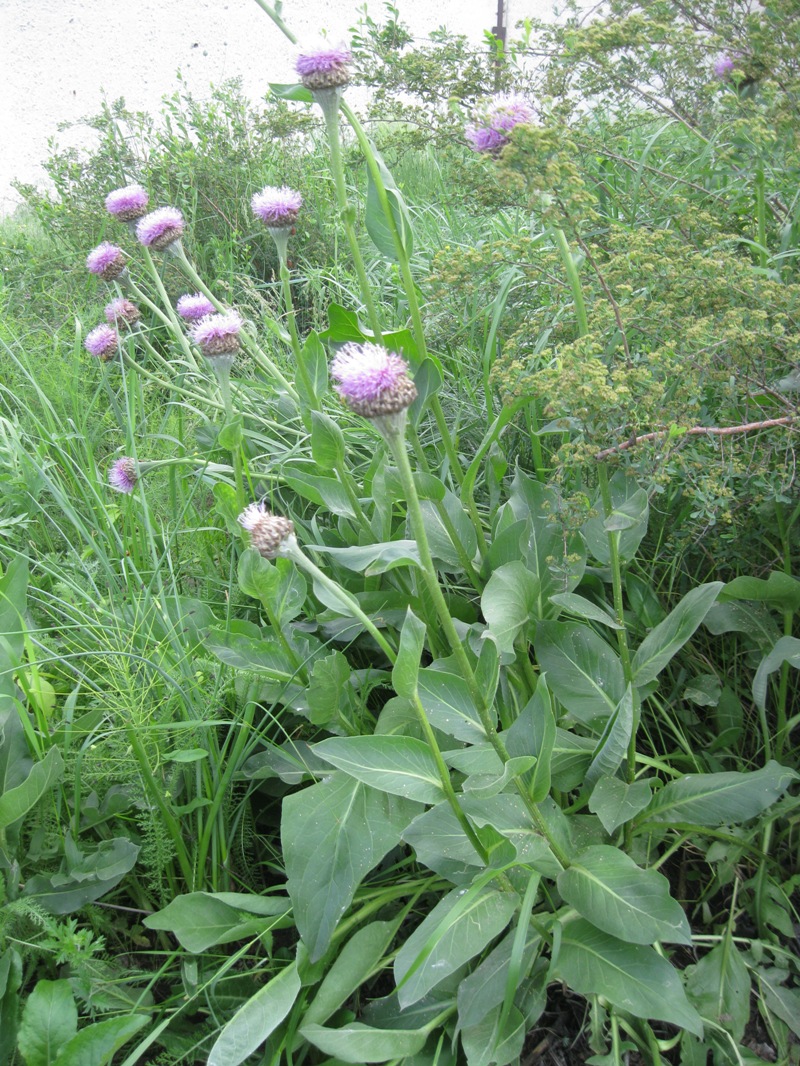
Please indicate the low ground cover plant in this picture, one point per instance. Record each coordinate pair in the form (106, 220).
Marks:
(398, 606)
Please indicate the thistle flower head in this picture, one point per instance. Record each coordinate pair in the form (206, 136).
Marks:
(324, 67)
(123, 475)
(127, 204)
(122, 312)
(494, 120)
(102, 342)
(268, 532)
(723, 65)
(372, 381)
(277, 207)
(193, 308)
(217, 335)
(160, 228)
(106, 261)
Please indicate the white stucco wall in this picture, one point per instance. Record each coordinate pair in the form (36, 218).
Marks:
(58, 57)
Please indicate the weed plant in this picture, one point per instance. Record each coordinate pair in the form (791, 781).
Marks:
(398, 663)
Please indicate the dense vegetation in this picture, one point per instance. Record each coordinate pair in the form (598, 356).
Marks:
(495, 762)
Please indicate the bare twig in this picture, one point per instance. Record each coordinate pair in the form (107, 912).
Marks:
(696, 431)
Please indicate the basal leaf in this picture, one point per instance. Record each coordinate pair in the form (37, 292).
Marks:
(256, 1019)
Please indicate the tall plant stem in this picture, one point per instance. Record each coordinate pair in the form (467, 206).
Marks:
(408, 284)
(252, 348)
(330, 109)
(431, 581)
(223, 375)
(622, 634)
(291, 550)
(574, 280)
(291, 320)
(171, 315)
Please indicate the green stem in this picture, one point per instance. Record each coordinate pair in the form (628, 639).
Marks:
(223, 375)
(761, 219)
(573, 277)
(622, 633)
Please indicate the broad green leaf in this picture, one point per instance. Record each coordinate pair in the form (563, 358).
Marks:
(200, 920)
(256, 1019)
(448, 704)
(584, 673)
(89, 874)
(352, 966)
(534, 733)
(10, 981)
(633, 977)
(297, 92)
(572, 603)
(783, 1002)
(719, 799)
(440, 842)
(42, 776)
(628, 518)
(97, 1044)
(719, 986)
(606, 887)
(387, 232)
(780, 589)
(491, 784)
(669, 636)
(442, 546)
(314, 360)
(485, 987)
(359, 1043)
(279, 585)
(615, 802)
(329, 689)
(755, 620)
(400, 765)
(333, 833)
(486, 1045)
(507, 815)
(372, 559)
(230, 436)
(49, 1021)
(406, 669)
(787, 650)
(613, 744)
(459, 926)
(13, 604)
(509, 602)
(327, 442)
(323, 491)
(259, 654)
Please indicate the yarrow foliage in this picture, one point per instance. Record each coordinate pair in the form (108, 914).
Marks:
(160, 228)
(278, 207)
(217, 335)
(193, 308)
(268, 532)
(325, 67)
(372, 381)
(495, 118)
(102, 342)
(123, 475)
(127, 204)
(106, 261)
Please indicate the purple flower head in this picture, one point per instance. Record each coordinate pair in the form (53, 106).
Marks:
(268, 532)
(160, 228)
(127, 204)
(277, 207)
(102, 342)
(123, 475)
(122, 312)
(372, 380)
(106, 261)
(495, 119)
(324, 67)
(723, 65)
(217, 335)
(193, 308)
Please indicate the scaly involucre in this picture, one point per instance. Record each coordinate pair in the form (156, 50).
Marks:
(160, 228)
(268, 531)
(123, 475)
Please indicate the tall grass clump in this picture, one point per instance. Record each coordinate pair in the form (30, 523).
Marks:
(398, 605)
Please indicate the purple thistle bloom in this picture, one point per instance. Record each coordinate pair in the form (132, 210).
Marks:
(122, 312)
(217, 335)
(372, 380)
(723, 65)
(324, 67)
(123, 475)
(160, 228)
(127, 204)
(102, 342)
(495, 119)
(268, 531)
(277, 207)
(106, 261)
(193, 308)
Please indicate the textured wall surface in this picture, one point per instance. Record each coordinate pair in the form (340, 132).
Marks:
(58, 57)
